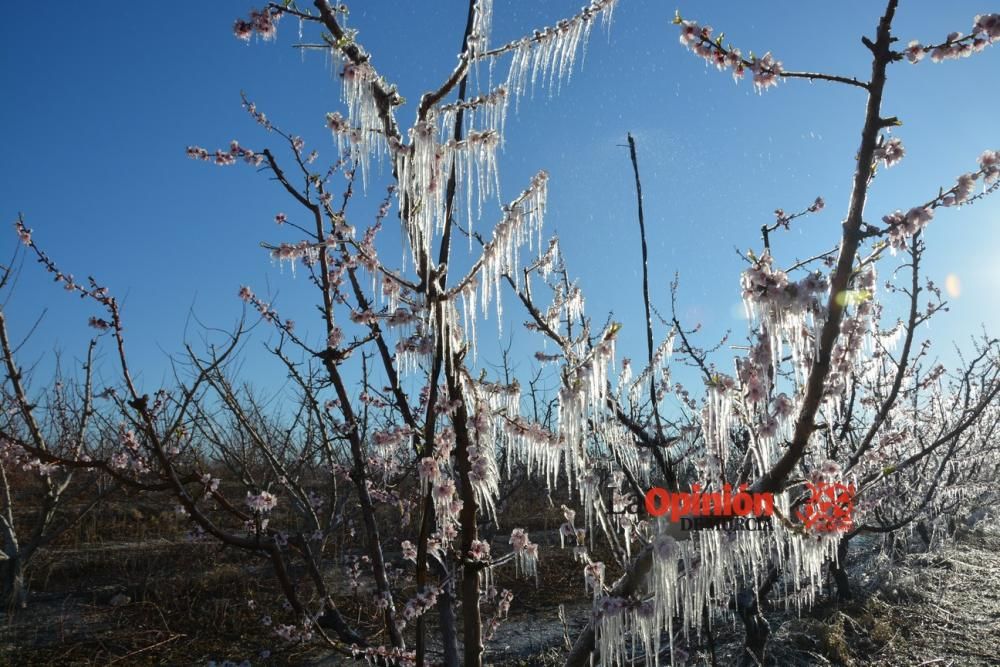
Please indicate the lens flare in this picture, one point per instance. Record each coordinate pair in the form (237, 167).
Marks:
(953, 286)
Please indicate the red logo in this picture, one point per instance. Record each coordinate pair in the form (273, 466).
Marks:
(681, 504)
(829, 507)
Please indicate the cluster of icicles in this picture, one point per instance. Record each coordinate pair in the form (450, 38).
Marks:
(702, 572)
(652, 374)
(425, 163)
(686, 575)
(548, 56)
(705, 570)
(786, 310)
(427, 155)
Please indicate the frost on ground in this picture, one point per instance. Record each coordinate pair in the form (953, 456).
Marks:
(927, 608)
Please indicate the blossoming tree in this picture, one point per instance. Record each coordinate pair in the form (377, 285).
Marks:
(40, 499)
(390, 403)
(790, 411)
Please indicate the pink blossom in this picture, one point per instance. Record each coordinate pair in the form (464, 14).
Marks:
(335, 337)
(830, 468)
(567, 530)
(593, 576)
(243, 29)
(768, 428)
(766, 72)
(265, 23)
(813, 282)
(919, 216)
(989, 163)
(429, 470)
(211, 482)
(891, 152)
(337, 123)
(988, 24)
(755, 391)
(903, 226)
(363, 317)
(400, 317)
(963, 190)
(783, 405)
(480, 550)
(734, 59)
(518, 539)
(23, 232)
(223, 158)
(444, 490)
(503, 606)
(569, 513)
(690, 33)
(914, 52)
(262, 502)
(99, 324)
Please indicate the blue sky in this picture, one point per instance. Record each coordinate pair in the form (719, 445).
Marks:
(103, 99)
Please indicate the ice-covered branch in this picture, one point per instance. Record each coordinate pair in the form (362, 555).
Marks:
(901, 226)
(550, 54)
(766, 69)
(783, 220)
(521, 224)
(985, 31)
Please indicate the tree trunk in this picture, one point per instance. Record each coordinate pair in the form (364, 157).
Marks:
(925, 534)
(426, 527)
(12, 587)
(472, 625)
(756, 630)
(332, 619)
(445, 599)
(755, 627)
(839, 570)
(449, 631)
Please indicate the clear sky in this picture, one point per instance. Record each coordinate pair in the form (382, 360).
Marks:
(103, 98)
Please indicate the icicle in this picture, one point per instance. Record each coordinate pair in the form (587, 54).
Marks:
(365, 125)
(655, 372)
(550, 54)
(501, 256)
(482, 25)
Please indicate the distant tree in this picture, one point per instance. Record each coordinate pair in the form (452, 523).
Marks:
(41, 499)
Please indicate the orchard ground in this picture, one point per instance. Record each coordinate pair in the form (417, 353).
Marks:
(127, 587)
